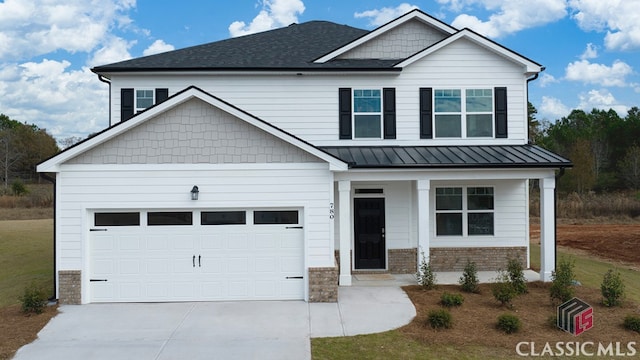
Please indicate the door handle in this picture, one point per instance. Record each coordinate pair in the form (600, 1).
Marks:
(199, 257)
(194, 261)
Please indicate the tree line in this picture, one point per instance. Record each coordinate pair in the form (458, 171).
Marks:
(22, 147)
(604, 148)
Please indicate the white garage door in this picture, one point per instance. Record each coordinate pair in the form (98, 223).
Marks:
(153, 256)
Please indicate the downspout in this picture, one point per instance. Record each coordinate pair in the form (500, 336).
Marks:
(55, 278)
(555, 217)
(107, 81)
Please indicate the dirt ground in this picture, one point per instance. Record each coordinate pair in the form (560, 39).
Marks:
(17, 329)
(620, 242)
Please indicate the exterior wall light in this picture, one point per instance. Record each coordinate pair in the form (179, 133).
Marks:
(194, 192)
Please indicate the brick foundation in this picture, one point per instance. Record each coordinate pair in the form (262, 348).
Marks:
(323, 284)
(69, 287)
(486, 258)
(402, 261)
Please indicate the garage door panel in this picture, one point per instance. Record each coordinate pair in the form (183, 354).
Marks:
(232, 262)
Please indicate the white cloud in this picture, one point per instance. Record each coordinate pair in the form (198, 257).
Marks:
(114, 51)
(49, 94)
(509, 17)
(603, 75)
(158, 46)
(620, 20)
(547, 79)
(37, 27)
(382, 16)
(601, 99)
(553, 108)
(274, 14)
(591, 52)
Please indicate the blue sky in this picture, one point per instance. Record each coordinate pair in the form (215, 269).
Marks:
(590, 48)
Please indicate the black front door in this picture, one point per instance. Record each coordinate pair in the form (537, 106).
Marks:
(369, 233)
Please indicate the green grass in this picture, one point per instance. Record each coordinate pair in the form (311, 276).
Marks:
(26, 256)
(589, 272)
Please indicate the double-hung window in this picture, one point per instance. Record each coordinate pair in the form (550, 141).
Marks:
(144, 99)
(367, 113)
(463, 113)
(464, 211)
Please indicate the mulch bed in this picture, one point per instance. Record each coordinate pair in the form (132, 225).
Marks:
(18, 329)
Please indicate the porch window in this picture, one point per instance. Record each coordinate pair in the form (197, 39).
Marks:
(464, 211)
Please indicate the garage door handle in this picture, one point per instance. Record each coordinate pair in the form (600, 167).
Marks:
(295, 277)
(194, 261)
(199, 257)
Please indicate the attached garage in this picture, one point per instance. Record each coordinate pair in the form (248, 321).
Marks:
(196, 255)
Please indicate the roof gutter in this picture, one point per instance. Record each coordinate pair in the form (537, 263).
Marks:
(53, 297)
(106, 80)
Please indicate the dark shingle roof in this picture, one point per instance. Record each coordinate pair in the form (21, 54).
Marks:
(293, 47)
(469, 157)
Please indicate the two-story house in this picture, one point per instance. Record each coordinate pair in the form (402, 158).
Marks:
(278, 164)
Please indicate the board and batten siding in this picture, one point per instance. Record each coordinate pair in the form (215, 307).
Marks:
(167, 187)
(306, 105)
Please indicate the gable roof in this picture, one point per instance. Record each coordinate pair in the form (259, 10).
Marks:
(310, 46)
(53, 164)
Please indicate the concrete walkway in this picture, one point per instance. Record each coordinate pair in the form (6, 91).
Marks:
(215, 330)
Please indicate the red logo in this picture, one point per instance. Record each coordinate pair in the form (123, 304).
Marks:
(575, 316)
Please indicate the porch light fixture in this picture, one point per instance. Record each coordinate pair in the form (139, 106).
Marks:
(194, 192)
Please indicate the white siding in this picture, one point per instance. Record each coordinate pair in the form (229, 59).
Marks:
(306, 105)
(85, 187)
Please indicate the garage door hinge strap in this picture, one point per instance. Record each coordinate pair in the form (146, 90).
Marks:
(97, 279)
(97, 229)
(294, 227)
(295, 277)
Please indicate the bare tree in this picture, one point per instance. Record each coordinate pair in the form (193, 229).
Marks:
(630, 167)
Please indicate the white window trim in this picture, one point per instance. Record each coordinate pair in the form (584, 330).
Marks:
(463, 112)
(135, 99)
(465, 212)
(354, 113)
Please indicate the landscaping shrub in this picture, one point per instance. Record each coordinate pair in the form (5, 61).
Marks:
(612, 288)
(440, 319)
(562, 281)
(508, 323)
(450, 300)
(34, 300)
(426, 276)
(503, 290)
(632, 322)
(469, 280)
(516, 276)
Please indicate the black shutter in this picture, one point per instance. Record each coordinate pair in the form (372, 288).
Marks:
(161, 95)
(389, 112)
(426, 112)
(126, 104)
(345, 113)
(500, 94)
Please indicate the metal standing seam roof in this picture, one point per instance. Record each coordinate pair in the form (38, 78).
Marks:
(472, 157)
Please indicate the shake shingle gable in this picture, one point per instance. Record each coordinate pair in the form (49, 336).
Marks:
(293, 47)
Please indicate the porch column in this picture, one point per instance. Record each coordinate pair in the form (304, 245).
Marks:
(423, 187)
(344, 199)
(547, 228)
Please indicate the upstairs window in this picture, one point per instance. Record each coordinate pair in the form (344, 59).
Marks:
(367, 113)
(464, 211)
(133, 101)
(144, 99)
(463, 113)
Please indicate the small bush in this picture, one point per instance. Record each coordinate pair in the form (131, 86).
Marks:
(450, 300)
(562, 281)
(440, 319)
(503, 290)
(469, 280)
(612, 289)
(516, 276)
(426, 276)
(508, 323)
(34, 300)
(632, 322)
(18, 188)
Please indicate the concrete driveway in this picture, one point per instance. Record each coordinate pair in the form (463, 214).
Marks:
(215, 330)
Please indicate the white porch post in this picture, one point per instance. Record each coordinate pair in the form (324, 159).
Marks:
(423, 187)
(547, 228)
(344, 198)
